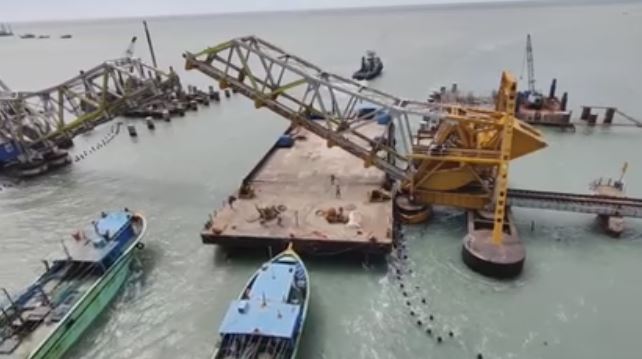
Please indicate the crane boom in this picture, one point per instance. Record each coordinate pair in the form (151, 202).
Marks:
(531, 64)
(455, 164)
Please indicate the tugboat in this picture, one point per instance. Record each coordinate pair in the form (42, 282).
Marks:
(47, 318)
(371, 67)
(266, 321)
(614, 224)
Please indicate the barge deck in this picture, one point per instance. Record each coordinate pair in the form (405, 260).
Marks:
(294, 192)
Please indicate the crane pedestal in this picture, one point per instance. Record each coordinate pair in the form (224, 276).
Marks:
(410, 212)
(504, 260)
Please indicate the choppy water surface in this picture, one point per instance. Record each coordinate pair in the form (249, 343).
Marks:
(580, 292)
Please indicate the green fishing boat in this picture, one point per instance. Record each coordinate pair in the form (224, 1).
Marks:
(46, 319)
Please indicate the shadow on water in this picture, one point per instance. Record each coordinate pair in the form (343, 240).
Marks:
(309, 346)
(328, 264)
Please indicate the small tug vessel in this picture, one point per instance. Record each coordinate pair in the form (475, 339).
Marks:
(267, 320)
(47, 318)
(371, 67)
(612, 224)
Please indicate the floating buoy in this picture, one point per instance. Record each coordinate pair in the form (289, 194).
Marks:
(214, 95)
(132, 131)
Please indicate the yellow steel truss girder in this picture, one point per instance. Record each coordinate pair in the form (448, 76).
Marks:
(506, 98)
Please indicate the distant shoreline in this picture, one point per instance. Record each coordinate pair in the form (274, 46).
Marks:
(462, 4)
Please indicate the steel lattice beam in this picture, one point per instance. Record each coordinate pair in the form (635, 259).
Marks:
(95, 95)
(298, 90)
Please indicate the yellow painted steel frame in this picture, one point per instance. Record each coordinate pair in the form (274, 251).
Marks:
(506, 104)
(473, 145)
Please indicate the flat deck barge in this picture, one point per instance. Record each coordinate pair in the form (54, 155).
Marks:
(288, 195)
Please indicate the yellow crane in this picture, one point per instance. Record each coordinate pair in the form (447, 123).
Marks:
(459, 156)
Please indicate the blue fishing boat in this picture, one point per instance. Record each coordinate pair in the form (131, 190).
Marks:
(46, 319)
(266, 321)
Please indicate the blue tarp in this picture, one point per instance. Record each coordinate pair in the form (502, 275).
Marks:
(253, 317)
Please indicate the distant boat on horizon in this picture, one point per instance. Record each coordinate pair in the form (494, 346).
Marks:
(27, 36)
(66, 36)
(5, 30)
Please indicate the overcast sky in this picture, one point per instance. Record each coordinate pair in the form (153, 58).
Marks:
(30, 10)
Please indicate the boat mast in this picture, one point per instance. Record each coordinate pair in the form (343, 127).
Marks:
(531, 64)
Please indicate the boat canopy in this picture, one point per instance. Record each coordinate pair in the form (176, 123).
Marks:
(273, 283)
(265, 310)
(97, 240)
(256, 317)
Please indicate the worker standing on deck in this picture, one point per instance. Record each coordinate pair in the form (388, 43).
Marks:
(338, 191)
(230, 200)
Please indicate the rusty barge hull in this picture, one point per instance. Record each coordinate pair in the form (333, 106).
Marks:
(301, 181)
(549, 118)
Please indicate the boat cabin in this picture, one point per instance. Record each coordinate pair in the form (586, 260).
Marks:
(265, 322)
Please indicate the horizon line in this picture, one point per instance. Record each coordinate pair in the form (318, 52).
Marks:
(349, 9)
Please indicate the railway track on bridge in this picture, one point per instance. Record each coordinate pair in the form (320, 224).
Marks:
(571, 202)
